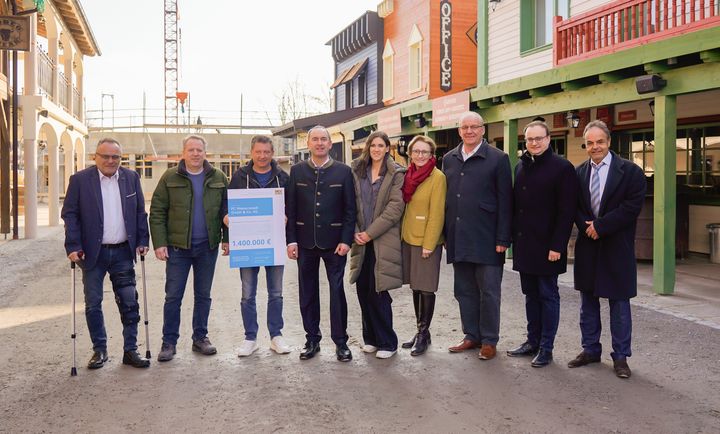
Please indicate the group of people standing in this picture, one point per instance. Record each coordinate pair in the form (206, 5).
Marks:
(393, 221)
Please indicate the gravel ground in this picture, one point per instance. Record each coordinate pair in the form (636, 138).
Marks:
(675, 387)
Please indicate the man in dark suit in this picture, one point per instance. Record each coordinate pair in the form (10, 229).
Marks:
(478, 216)
(105, 227)
(320, 210)
(612, 191)
(545, 198)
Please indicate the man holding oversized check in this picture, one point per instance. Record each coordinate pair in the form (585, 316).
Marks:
(254, 212)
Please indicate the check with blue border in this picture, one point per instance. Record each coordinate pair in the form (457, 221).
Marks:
(257, 227)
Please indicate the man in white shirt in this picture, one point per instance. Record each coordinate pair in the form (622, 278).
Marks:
(105, 228)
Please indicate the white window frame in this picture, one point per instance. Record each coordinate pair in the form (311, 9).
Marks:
(388, 57)
(415, 60)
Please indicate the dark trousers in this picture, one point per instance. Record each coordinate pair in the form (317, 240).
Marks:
(376, 307)
(591, 326)
(477, 290)
(542, 308)
(309, 267)
(118, 263)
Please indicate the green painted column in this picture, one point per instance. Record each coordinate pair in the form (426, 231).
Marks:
(510, 144)
(665, 195)
(482, 43)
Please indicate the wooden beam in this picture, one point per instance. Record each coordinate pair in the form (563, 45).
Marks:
(665, 194)
(515, 97)
(710, 56)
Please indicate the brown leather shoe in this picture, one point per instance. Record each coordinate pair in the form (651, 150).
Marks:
(487, 352)
(465, 345)
(583, 359)
(622, 370)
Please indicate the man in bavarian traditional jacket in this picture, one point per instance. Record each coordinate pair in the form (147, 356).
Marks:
(321, 211)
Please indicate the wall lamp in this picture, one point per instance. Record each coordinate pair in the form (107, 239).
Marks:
(420, 121)
(402, 147)
(649, 83)
(70, 128)
(494, 3)
(43, 113)
(573, 119)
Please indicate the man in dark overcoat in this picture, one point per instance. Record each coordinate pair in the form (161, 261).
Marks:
(478, 217)
(321, 212)
(612, 191)
(544, 202)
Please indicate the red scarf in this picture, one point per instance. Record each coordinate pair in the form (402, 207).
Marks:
(415, 176)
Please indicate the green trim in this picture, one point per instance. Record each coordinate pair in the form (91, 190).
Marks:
(694, 42)
(534, 50)
(527, 25)
(665, 192)
(696, 78)
(483, 43)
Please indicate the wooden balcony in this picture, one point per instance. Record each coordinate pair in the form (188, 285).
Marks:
(622, 24)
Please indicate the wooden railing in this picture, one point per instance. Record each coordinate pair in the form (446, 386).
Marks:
(623, 24)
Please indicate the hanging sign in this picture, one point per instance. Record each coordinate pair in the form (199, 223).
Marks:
(445, 45)
(15, 33)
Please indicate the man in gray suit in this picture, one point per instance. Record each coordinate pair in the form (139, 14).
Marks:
(478, 220)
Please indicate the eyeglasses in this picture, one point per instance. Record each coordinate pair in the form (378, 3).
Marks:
(108, 157)
(420, 153)
(471, 127)
(535, 139)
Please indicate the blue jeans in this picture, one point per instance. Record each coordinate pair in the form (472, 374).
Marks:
(477, 290)
(202, 260)
(542, 308)
(591, 326)
(118, 263)
(249, 279)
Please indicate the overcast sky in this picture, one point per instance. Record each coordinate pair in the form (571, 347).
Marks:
(228, 48)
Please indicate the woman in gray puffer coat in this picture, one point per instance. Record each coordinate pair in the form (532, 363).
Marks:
(375, 257)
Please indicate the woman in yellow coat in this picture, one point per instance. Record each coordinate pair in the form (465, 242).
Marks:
(424, 194)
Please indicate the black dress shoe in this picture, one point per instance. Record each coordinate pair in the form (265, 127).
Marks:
(343, 353)
(525, 349)
(133, 359)
(410, 343)
(583, 359)
(622, 370)
(543, 358)
(98, 359)
(311, 348)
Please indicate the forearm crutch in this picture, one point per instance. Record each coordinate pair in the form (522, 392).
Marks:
(144, 290)
(73, 335)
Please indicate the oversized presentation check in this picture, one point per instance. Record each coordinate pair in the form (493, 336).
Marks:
(257, 227)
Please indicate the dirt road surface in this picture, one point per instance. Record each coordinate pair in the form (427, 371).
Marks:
(675, 387)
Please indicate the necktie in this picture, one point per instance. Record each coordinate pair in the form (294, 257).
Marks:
(595, 189)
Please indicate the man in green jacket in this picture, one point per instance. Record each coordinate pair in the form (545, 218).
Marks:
(187, 228)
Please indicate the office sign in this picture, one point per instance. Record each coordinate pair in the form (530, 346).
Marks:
(445, 45)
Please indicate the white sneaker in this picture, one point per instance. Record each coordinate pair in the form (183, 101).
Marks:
(278, 345)
(369, 348)
(382, 354)
(247, 348)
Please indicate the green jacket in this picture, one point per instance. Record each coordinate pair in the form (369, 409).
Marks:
(171, 207)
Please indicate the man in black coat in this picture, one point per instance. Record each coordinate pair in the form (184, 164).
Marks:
(478, 216)
(612, 191)
(544, 202)
(320, 209)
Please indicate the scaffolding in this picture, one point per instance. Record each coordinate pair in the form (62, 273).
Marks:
(171, 62)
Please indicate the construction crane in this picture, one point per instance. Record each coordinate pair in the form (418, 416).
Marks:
(171, 42)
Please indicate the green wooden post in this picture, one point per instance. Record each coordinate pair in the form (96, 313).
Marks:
(510, 144)
(665, 195)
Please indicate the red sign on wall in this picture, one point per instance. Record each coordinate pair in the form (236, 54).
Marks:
(447, 110)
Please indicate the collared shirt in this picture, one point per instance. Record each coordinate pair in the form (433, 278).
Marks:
(113, 221)
(603, 170)
(467, 155)
(312, 163)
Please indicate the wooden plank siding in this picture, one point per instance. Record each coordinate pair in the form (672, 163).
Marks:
(397, 27)
(464, 51)
(371, 73)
